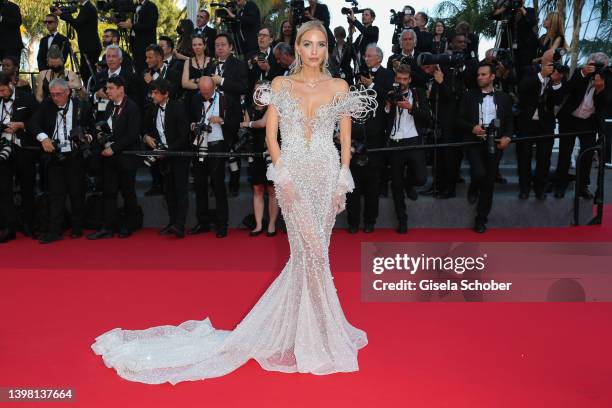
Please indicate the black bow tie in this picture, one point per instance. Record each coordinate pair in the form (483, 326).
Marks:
(7, 100)
(162, 108)
(487, 94)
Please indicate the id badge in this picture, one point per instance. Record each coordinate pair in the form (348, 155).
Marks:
(102, 104)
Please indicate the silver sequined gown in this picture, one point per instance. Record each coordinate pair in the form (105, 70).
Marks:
(298, 324)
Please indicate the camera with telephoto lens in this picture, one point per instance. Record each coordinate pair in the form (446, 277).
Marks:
(114, 11)
(104, 135)
(261, 56)
(221, 11)
(82, 142)
(6, 147)
(491, 129)
(354, 8)
(150, 160)
(454, 60)
(200, 141)
(244, 141)
(65, 6)
(600, 69)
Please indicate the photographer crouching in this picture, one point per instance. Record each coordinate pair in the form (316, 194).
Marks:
(166, 128)
(61, 125)
(408, 121)
(119, 171)
(486, 114)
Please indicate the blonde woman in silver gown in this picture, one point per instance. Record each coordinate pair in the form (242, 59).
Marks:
(298, 324)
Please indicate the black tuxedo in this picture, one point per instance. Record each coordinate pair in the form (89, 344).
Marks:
(144, 32)
(424, 41)
(367, 36)
(340, 63)
(209, 34)
(131, 88)
(86, 26)
(10, 33)
(59, 40)
(409, 162)
(483, 166)
(165, 72)
(175, 172)
(256, 74)
(247, 26)
(126, 61)
(65, 177)
(531, 99)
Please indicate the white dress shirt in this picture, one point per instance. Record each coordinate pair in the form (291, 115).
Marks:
(63, 126)
(160, 123)
(404, 125)
(217, 132)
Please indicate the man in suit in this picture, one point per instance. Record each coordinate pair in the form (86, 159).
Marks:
(166, 125)
(211, 107)
(10, 23)
(230, 75)
(167, 46)
(408, 120)
(111, 36)
(54, 37)
(16, 108)
(372, 134)
(119, 170)
(424, 37)
(578, 114)
(57, 125)
(262, 64)
(408, 55)
(368, 32)
(341, 56)
(477, 111)
(203, 30)
(144, 31)
(86, 26)
(114, 67)
(284, 56)
(247, 22)
(539, 93)
(156, 69)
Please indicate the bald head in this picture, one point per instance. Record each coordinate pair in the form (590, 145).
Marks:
(206, 87)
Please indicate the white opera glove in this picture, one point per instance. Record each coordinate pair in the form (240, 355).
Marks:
(286, 193)
(344, 185)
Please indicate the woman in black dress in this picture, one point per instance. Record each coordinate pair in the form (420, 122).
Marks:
(194, 68)
(255, 120)
(440, 43)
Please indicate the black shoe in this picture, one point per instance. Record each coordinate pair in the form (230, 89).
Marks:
(367, 228)
(177, 231)
(154, 191)
(221, 232)
(559, 192)
(199, 229)
(124, 232)
(255, 233)
(100, 234)
(166, 230)
(428, 191)
(540, 195)
(523, 195)
(27, 230)
(76, 233)
(411, 193)
(480, 227)
(472, 196)
(7, 235)
(270, 234)
(586, 193)
(501, 180)
(402, 228)
(353, 229)
(49, 238)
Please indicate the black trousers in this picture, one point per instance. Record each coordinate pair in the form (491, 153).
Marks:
(175, 184)
(119, 176)
(367, 183)
(8, 217)
(25, 169)
(213, 168)
(448, 159)
(483, 170)
(407, 170)
(566, 147)
(66, 178)
(524, 152)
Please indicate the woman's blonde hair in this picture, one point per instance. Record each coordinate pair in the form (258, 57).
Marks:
(304, 28)
(556, 28)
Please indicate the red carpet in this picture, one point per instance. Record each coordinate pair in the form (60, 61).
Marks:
(56, 299)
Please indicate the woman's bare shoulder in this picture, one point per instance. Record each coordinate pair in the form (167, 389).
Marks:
(339, 85)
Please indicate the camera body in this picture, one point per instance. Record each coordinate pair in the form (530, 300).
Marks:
(600, 69)
(220, 12)
(396, 95)
(492, 130)
(150, 160)
(354, 8)
(116, 10)
(65, 6)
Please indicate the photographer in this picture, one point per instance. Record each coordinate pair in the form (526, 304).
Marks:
(53, 38)
(247, 21)
(114, 68)
(262, 64)
(341, 57)
(485, 115)
(119, 170)
(408, 120)
(371, 135)
(408, 56)
(61, 125)
(284, 56)
(209, 116)
(156, 69)
(203, 30)
(539, 94)
(166, 127)
(86, 26)
(578, 115)
(16, 108)
(144, 31)
(424, 38)
(402, 20)
(10, 23)
(368, 32)
(112, 37)
(167, 46)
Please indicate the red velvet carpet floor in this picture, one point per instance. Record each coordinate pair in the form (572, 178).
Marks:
(56, 299)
